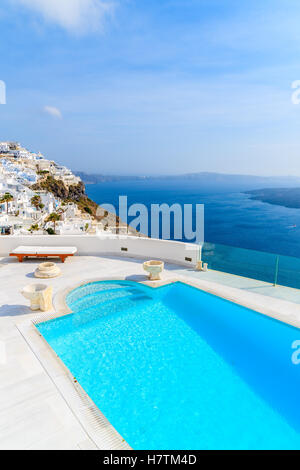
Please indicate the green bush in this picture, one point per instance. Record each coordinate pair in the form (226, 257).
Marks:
(88, 210)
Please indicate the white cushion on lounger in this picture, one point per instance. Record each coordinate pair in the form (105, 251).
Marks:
(45, 250)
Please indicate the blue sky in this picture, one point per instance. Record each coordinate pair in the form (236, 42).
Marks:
(153, 86)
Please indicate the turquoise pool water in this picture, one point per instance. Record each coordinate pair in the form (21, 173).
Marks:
(177, 368)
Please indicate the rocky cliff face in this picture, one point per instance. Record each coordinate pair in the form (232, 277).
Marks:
(77, 192)
(77, 195)
(59, 189)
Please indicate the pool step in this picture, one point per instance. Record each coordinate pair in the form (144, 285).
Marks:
(109, 307)
(94, 288)
(99, 297)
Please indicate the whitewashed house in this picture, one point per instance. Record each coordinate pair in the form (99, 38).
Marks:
(43, 164)
(4, 147)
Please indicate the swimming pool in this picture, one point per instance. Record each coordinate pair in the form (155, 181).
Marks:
(178, 368)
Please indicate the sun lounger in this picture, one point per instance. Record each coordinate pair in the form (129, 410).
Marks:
(61, 252)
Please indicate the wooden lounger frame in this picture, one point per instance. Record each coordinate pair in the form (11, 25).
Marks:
(21, 256)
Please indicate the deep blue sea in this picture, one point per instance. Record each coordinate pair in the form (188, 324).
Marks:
(231, 216)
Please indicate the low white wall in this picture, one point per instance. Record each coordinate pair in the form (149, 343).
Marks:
(144, 248)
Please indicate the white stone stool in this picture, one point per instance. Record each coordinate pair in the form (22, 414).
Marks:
(40, 296)
(47, 271)
(199, 266)
(154, 268)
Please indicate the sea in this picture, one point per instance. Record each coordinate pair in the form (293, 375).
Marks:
(232, 218)
(243, 236)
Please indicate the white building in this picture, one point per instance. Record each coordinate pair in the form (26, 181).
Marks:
(50, 203)
(18, 172)
(73, 227)
(70, 211)
(43, 164)
(21, 153)
(62, 173)
(4, 147)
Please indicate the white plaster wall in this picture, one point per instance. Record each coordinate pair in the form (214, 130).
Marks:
(143, 248)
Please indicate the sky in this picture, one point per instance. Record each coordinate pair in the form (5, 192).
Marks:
(153, 86)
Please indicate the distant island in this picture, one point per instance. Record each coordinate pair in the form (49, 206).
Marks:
(98, 178)
(286, 197)
(277, 190)
(204, 179)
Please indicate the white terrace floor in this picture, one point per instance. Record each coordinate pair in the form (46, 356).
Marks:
(34, 413)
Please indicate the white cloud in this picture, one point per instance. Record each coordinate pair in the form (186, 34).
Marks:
(52, 111)
(74, 15)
